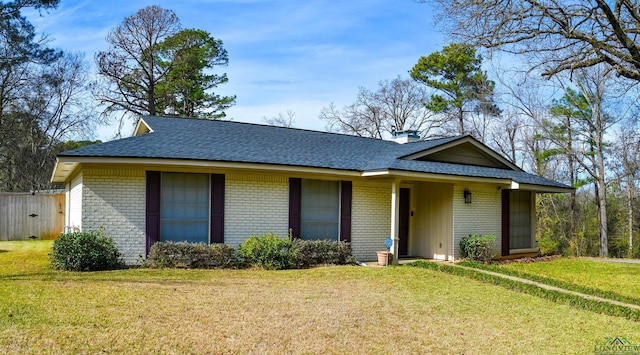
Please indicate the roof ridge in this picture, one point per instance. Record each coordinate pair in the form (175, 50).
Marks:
(231, 121)
(296, 129)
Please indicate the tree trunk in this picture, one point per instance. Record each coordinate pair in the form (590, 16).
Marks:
(461, 120)
(630, 211)
(151, 104)
(602, 197)
(602, 203)
(572, 176)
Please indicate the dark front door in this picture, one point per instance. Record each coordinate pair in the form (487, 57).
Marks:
(405, 211)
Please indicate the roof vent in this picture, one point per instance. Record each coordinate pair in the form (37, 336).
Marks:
(406, 136)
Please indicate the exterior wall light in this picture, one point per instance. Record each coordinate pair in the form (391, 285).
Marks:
(467, 196)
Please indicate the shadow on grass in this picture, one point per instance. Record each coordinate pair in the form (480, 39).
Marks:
(26, 276)
(108, 277)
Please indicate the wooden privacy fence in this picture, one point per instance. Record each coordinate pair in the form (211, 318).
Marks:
(25, 216)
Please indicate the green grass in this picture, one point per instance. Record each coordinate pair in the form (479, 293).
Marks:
(553, 295)
(608, 278)
(321, 310)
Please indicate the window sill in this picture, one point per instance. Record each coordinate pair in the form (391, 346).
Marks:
(523, 251)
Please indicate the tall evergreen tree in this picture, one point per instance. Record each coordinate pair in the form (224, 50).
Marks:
(464, 88)
(189, 56)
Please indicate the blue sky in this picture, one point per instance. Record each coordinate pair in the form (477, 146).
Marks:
(283, 55)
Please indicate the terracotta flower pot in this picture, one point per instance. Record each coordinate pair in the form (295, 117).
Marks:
(384, 258)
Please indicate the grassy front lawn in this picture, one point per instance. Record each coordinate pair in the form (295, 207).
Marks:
(328, 310)
(619, 278)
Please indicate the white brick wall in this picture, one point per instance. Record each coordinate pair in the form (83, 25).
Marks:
(370, 218)
(258, 204)
(482, 216)
(74, 219)
(116, 200)
(255, 204)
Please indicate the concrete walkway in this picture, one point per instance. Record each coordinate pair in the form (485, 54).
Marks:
(552, 288)
(613, 260)
(402, 261)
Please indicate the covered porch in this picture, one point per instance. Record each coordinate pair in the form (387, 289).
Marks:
(429, 217)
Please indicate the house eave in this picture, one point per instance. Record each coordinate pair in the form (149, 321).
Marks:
(66, 165)
(545, 189)
(415, 175)
(504, 183)
(63, 169)
(60, 175)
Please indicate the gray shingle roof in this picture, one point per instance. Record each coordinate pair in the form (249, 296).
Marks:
(226, 141)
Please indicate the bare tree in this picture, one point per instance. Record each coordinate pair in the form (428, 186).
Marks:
(561, 35)
(586, 118)
(55, 106)
(626, 162)
(506, 135)
(130, 66)
(281, 120)
(397, 105)
(359, 119)
(524, 99)
(43, 99)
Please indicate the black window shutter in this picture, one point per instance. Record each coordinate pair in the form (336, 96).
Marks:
(295, 206)
(153, 208)
(505, 221)
(345, 211)
(217, 208)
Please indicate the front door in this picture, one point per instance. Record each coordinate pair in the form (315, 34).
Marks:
(405, 211)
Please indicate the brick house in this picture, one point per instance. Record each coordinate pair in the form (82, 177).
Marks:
(220, 182)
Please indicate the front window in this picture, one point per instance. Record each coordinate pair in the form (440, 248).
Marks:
(184, 211)
(320, 210)
(520, 220)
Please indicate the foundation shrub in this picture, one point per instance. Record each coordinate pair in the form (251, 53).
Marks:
(478, 247)
(85, 251)
(268, 251)
(322, 252)
(193, 256)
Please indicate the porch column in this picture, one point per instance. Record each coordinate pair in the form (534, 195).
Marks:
(395, 217)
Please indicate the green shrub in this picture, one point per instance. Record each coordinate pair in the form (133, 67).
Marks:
(635, 253)
(478, 247)
(193, 256)
(548, 245)
(85, 251)
(268, 251)
(618, 247)
(318, 252)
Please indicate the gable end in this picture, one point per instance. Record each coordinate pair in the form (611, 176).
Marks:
(141, 128)
(466, 151)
